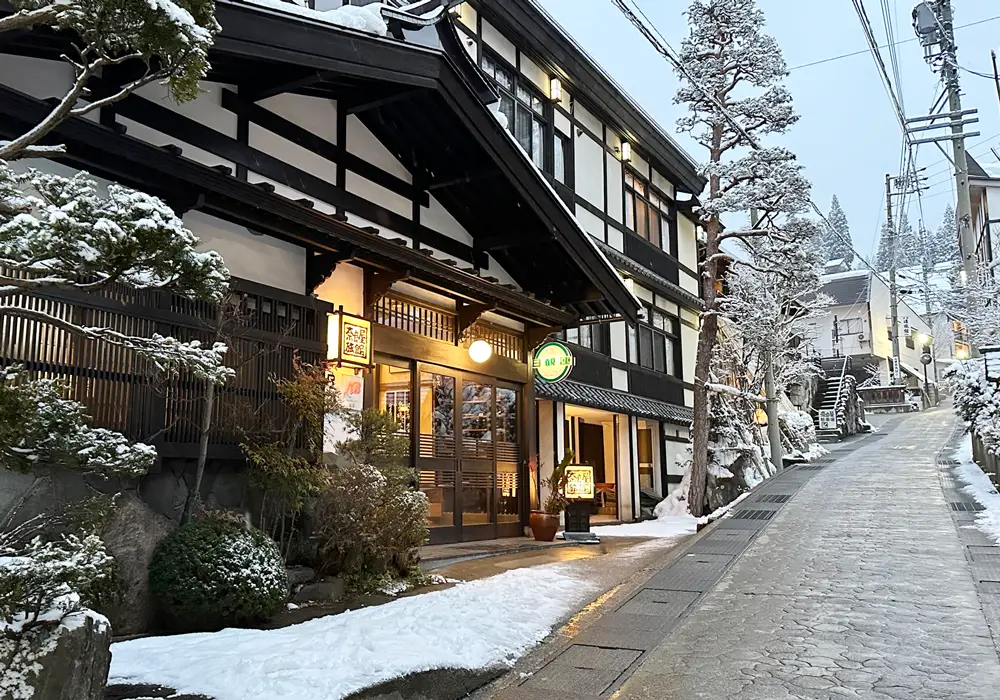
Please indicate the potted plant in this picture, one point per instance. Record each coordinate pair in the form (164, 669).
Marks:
(545, 522)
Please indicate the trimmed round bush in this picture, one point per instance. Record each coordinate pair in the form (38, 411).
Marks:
(207, 575)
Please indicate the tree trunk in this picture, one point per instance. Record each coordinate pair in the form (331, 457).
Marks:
(702, 420)
(194, 495)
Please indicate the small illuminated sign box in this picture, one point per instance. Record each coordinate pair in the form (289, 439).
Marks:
(553, 362)
(579, 482)
(349, 340)
(991, 358)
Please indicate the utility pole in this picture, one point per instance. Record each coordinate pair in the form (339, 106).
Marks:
(893, 290)
(770, 393)
(933, 23)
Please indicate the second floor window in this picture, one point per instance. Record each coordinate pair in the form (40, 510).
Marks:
(654, 344)
(523, 107)
(596, 337)
(648, 214)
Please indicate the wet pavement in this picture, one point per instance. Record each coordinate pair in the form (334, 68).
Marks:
(842, 579)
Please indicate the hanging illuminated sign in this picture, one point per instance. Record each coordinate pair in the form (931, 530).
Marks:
(349, 340)
(579, 482)
(553, 362)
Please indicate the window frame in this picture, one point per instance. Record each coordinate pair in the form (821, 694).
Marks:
(542, 115)
(639, 194)
(666, 339)
(599, 337)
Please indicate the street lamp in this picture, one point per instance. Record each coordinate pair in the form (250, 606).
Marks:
(926, 357)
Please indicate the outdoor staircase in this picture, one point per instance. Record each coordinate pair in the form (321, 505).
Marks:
(828, 399)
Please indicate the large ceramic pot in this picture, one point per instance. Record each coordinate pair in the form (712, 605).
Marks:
(543, 525)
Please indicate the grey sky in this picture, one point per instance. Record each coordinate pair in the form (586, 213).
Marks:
(848, 137)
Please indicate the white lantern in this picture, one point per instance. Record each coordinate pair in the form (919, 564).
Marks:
(480, 351)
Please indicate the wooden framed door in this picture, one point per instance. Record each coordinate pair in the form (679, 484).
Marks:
(469, 454)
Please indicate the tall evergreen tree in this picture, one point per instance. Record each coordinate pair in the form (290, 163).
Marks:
(730, 64)
(909, 249)
(944, 241)
(836, 239)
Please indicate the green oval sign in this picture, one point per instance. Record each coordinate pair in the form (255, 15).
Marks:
(553, 362)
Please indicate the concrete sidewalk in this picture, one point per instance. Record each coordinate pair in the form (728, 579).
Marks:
(859, 588)
(842, 579)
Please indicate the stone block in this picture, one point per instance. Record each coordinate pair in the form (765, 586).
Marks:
(326, 591)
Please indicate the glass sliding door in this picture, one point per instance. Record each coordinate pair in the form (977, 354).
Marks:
(437, 458)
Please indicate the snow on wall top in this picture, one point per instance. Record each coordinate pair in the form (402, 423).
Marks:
(366, 19)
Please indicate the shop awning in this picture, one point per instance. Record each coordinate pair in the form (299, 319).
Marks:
(615, 401)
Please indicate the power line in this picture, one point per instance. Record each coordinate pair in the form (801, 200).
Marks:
(898, 43)
(663, 47)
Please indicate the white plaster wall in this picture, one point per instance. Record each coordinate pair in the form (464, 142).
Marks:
(345, 287)
(619, 347)
(616, 187)
(589, 173)
(879, 304)
(584, 116)
(499, 43)
(262, 259)
(616, 239)
(563, 124)
(619, 379)
(468, 15)
(662, 184)
(35, 76)
(688, 282)
(628, 466)
(531, 71)
(316, 114)
(639, 163)
(689, 347)
(687, 242)
(206, 108)
(439, 219)
(674, 451)
(849, 344)
(591, 224)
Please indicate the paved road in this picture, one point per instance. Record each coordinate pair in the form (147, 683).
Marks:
(858, 588)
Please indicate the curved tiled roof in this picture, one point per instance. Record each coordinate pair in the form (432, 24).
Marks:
(612, 400)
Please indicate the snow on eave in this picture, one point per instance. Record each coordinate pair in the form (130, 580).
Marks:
(843, 275)
(328, 18)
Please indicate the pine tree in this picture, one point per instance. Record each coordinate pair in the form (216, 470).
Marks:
(908, 246)
(944, 241)
(836, 238)
(728, 60)
(61, 233)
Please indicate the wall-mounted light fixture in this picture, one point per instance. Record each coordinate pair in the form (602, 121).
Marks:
(626, 151)
(555, 90)
(480, 351)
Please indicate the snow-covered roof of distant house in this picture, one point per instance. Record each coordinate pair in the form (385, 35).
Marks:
(980, 171)
(847, 288)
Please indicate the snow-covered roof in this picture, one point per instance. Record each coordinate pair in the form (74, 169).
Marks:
(843, 275)
(366, 19)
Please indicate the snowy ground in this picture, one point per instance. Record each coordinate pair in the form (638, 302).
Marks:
(667, 526)
(473, 625)
(982, 490)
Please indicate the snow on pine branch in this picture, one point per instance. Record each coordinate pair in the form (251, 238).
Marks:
(59, 231)
(38, 427)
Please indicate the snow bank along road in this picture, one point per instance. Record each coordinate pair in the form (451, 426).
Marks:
(859, 587)
(480, 624)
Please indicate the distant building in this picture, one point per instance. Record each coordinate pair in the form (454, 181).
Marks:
(858, 326)
(984, 189)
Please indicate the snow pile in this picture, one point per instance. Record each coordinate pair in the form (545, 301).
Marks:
(479, 624)
(366, 19)
(977, 400)
(666, 526)
(982, 490)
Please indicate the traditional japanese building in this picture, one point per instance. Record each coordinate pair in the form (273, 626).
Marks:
(425, 205)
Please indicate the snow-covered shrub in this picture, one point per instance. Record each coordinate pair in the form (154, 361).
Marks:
(367, 525)
(977, 400)
(210, 574)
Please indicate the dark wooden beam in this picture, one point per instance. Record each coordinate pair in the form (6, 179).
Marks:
(490, 243)
(304, 81)
(377, 283)
(444, 181)
(273, 168)
(319, 266)
(382, 100)
(468, 313)
(333, 152)
(536, 335)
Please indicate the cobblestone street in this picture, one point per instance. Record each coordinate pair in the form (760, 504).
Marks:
(858, 588)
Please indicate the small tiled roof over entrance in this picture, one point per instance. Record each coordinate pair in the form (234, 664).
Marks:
(615, 401)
